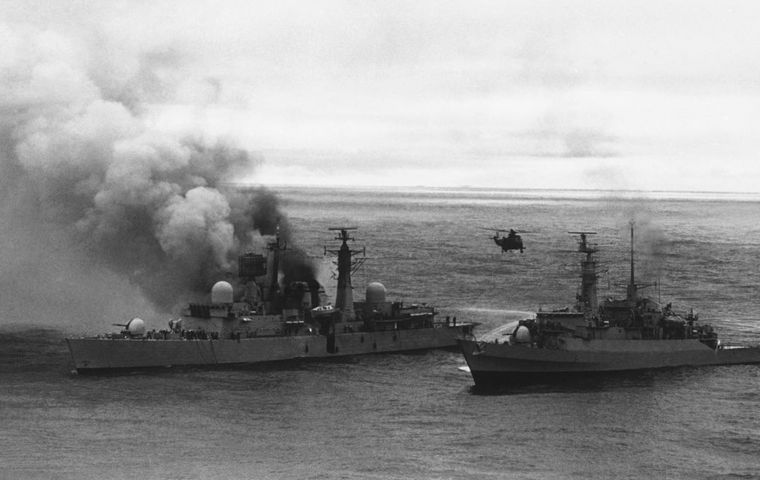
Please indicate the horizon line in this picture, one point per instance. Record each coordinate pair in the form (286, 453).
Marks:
(478, 188)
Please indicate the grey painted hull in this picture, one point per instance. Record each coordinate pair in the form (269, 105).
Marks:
(99, 354)
(493, 363)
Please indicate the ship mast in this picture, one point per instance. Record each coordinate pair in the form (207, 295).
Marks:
(587, 301)
(631, 291)
(344, 298)
(272, 300)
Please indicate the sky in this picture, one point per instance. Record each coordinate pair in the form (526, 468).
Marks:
(654, 95)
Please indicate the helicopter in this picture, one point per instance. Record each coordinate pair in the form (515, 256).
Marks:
(510, 241)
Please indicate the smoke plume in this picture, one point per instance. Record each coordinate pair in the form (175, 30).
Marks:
(89, 185)
(266, 216)
(650, 243)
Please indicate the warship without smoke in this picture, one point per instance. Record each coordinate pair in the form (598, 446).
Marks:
(633, 333)
(261, 322)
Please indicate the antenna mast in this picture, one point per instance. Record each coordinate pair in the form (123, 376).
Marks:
(344, 298)
(631, 293)
(272, 286)
(587, 298)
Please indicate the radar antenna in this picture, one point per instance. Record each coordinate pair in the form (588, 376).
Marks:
(583, 245)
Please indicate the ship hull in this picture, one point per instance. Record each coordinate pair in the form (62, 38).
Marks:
(92, 355)
(505, 364)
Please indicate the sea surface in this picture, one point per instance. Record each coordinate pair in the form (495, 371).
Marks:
(417, 416)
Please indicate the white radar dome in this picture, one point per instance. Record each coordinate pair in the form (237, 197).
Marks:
(221, 292)
(136, 327)
(522, 334)
(375, 292)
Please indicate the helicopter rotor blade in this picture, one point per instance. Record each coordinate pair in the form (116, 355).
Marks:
(495, 229)
(504, 230)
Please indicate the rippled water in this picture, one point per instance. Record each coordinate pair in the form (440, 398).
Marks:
(416, 416)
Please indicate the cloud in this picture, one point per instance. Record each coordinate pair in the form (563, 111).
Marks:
(442, 84)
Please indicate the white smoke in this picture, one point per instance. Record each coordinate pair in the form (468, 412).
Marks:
(90, 186)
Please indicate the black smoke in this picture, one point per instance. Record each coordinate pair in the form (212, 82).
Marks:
(265, 214)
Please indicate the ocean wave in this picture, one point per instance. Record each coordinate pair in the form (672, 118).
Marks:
(24, 347)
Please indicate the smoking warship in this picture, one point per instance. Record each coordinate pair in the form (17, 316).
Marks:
(633, 333)
(258, 321)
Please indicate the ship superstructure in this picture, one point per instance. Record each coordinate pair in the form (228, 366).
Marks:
(257, 319)
(630, 333)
